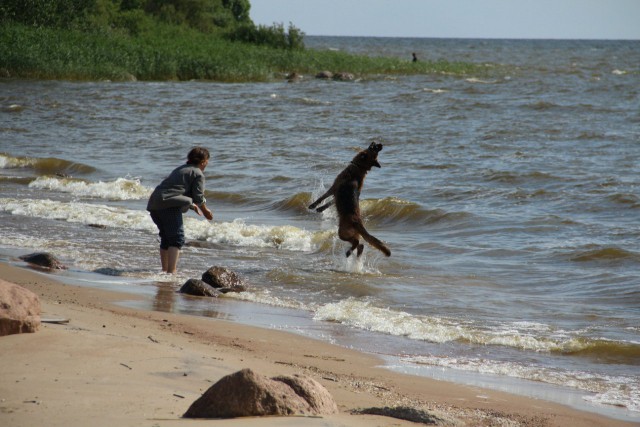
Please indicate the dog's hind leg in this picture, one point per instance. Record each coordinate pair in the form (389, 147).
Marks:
(355, 246)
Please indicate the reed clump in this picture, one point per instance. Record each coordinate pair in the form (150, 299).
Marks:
(170, 40)
(170, 52)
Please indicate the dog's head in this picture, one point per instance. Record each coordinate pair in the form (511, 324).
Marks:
(368, 158)
(376, 148)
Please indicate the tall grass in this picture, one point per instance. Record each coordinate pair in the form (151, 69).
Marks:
(179, 53)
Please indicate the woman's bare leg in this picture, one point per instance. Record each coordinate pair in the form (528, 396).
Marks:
(164, 259)
(173, 254)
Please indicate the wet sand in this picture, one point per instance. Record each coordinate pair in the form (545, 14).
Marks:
(111, 365)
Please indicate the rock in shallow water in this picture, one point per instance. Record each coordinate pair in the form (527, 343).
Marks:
(224, 279)
(43, 259)
(199, 288)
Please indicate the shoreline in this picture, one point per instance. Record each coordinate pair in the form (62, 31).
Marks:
(113, 364)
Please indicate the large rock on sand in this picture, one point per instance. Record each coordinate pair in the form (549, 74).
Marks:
(19, 309)
(248, 394)
(224, 280)
(43, 259)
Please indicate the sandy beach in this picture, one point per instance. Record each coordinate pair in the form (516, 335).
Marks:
(114, 366)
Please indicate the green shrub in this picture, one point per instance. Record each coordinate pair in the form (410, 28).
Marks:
(273, 36)
(203, 15)
(134, 22)
(239, 9)
(51, 13)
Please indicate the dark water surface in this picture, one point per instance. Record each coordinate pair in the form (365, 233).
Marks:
(510, 203)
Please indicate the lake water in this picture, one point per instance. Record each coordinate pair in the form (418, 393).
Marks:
(510, 202)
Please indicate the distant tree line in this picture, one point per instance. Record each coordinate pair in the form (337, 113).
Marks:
(221, 18)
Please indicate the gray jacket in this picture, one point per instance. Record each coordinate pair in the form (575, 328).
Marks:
(182, 188)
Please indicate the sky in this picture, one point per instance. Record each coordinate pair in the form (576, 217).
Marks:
(514, 19)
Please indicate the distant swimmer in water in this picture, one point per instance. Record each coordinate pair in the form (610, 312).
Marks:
(415, 58)
(182, 190)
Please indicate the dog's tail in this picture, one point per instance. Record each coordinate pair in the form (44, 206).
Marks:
(373, 241)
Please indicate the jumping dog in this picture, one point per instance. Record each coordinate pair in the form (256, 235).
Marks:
(346, 195)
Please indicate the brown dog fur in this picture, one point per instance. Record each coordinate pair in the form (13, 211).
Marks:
(346, 195)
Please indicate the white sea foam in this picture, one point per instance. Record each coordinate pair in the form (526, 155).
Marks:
(626, 395)
(77, 212)
(364, 315)
(364, 264)
(429, 90)
(526, 336)
(238, 233)
(67, 250)
(19, 240)
(7, 162)
(235, 233)
(120, 189)
(313, 101)
(265, 297)
(477, 80)
(611, 390)
(352, 264)
(157, 276)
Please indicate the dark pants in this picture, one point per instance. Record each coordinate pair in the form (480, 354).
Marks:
(169, 222)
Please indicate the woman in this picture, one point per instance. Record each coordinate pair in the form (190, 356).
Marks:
(182, 190)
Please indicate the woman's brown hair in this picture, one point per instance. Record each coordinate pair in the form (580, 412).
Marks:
(197, 155)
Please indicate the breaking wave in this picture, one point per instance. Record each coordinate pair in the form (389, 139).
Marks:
(296, 203)
(238, 233)
(522, 335)
(48, 165)
(120, 189)
(235, 233)
(392, 210)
